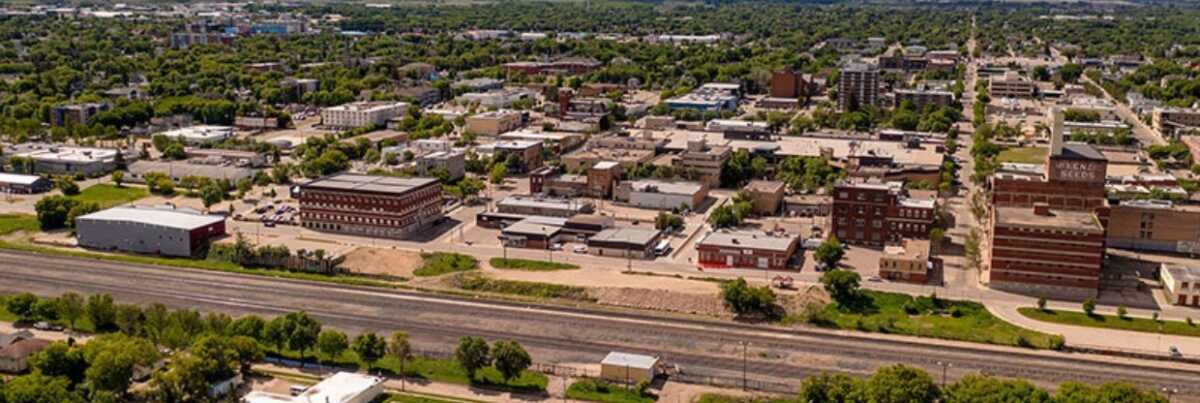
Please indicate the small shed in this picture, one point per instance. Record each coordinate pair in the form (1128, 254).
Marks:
(628, 368)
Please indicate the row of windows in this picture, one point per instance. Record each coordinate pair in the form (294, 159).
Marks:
(360, 220)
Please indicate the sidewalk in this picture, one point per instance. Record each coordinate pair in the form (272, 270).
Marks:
(1097, 337)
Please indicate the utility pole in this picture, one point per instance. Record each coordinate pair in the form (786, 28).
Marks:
(944, 366)
(743, 343)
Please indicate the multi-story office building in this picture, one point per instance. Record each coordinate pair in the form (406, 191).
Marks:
(878, 213)
(704, 162)
(77, 114)
(378, 206)
(919, 99)
(361, 114)
(1010, 85)
(1172, 122)
(1043, 252)
(493, 123)
(858, 87)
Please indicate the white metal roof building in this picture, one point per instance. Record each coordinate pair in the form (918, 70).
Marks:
(156, 230)
(201, 134)
(342, 387)
(628, 368)
(24, 184)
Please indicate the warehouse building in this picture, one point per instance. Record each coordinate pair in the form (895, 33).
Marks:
(748, 250)
(178, 170)
(543, 206)
(55, 159)
(342, 387)
(156, 230)
(1037, 251)
(198, 135)
(23, 184)
(361, 114)
(369, 205)
(536, 232)
(662, 195)
(637, 243)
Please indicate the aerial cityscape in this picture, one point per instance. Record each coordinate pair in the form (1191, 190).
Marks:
(620, 201)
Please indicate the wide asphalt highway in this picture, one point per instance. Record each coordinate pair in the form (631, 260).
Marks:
(564, 334)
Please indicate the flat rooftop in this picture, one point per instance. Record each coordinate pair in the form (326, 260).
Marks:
(665, 187)
(764, 186)
(1182, 273)
(369, 183)
(366, 106)
(630, 360)
(57, 153)
(811, 146)
(750, 240)
(1058, 219)
(637, 236)
(157, 217)
(540, 202)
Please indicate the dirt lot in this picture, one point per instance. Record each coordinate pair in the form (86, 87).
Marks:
(367, 260)
(662, 300)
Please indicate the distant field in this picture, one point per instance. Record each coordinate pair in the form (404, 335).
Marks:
(1024, 155)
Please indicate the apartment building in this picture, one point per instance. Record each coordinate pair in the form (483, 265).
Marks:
(1010, 85)
(362, 114)
(919, 99)
(77, 114)
(858, 87)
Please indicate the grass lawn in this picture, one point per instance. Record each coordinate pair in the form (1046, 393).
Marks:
(5, 315)
(601, 391)
(439, 263)
(108, 195)
(475, 282)
(944, 319)
(1023, 155)
(410, 398)
(717, 398)
(1112, 322)
(10, 223)
(530, 265)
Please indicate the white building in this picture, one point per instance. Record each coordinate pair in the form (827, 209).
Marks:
(662, 195)
(1181, 284)
(626, 368)
(342, 387)
(56, 159)
(361, 114)
(197, 135)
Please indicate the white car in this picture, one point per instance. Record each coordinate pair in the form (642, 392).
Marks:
(580, 248)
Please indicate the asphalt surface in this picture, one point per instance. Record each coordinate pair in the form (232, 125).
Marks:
(572, 335)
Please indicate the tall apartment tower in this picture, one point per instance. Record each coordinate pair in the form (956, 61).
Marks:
(858, 87)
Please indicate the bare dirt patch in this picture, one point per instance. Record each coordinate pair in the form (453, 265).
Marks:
(379, 261)
(661, 300)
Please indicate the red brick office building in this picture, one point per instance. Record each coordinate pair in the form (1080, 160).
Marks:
(377, 206)
(875, 213)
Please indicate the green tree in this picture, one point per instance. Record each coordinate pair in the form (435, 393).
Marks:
(510, 358)
(842, 286)
(59, 359)
(247, 326)
(472, 355)
(67, 186)
(369, 347)
(52, 211)
(977, 388)
(40, 388)
(301, 331)
(497, 173)
(830, 253)
(723, 217)
(101, 311)
(80, 210)
(210, 195)
(832, 388)
(21, 305)
(332, 344)
(1089, 306)
(743, 299)
(401, 349)
(1076, 392)
(118, 178)
(70, 307)
(901, 384)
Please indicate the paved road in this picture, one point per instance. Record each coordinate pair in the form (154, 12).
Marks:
(572, 335)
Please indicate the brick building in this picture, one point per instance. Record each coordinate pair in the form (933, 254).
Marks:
(748, 250)
(908, 262)
(875, 213)
(367, 205)
(1044, 252)
(1073, 177)
(1154, 225)
(766, 196)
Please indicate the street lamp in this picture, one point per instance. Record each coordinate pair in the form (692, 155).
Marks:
(944, 366)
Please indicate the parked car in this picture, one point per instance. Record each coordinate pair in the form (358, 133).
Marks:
(47, 326)
(557, 246)
(1175, 352)
(581, 249)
